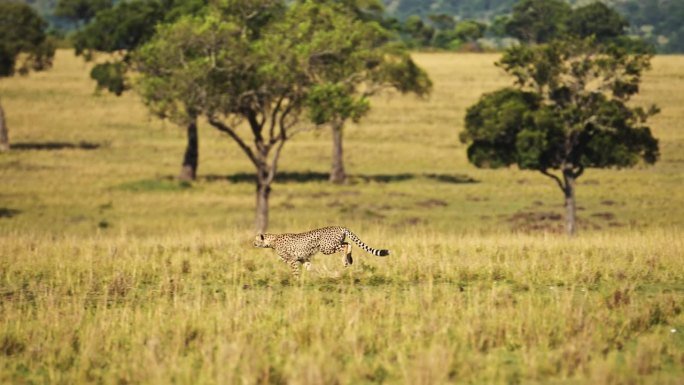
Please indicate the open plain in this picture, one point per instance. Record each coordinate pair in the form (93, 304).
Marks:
(112, 272)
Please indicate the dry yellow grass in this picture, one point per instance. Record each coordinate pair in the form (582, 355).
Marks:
(403, 140)
(110, 272)
(444, 309)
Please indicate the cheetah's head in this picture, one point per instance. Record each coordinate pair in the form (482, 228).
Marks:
(263, 240)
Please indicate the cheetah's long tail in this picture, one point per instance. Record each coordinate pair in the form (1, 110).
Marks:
(368, 249)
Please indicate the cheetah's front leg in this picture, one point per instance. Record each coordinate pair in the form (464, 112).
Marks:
(294, 266)
(292, 262)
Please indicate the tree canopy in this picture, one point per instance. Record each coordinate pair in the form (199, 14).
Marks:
(353, 58)
(121, 29)
(81, 10)
(24, 45)
(598, 20)
(253, 67)
(470, 30)
(567, 112)
(235, 66)
(538, 21)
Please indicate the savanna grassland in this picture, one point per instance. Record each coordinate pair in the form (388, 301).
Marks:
(112, 272)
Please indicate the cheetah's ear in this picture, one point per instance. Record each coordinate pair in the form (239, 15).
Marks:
(261, 236)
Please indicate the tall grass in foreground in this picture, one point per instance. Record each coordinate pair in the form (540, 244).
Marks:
(202, 309)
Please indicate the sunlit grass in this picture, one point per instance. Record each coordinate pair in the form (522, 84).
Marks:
(400, 145)
(112, 272)
(443, 308)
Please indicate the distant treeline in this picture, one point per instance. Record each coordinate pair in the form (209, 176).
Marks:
(656, 21)
(458, 24)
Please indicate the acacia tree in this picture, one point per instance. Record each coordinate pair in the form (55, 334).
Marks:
(247, 76)
(24, 47)
(179, 65)
(567, 112)
(120, 30)
(352, 59)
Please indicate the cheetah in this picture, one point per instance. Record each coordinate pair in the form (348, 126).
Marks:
(295, 249)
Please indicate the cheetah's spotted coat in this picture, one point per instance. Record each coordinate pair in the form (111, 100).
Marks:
(294, 249)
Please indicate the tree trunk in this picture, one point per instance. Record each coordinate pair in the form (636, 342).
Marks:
(337, 174)
(263, 191)
(4, 134)
(570, 205)
(191, 159)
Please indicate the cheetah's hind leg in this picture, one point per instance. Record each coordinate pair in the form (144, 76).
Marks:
(346, 247)
(348, 260)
